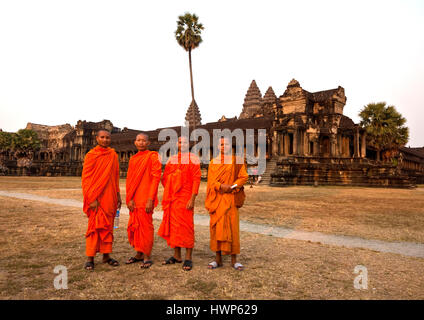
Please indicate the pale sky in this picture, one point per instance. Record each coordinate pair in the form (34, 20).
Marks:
(62, 61)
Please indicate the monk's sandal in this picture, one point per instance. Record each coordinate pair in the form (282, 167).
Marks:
(112, 262)
(188, 265)
(214, 265)
(133, 260)
(89, 265)
(172, 260)
(238, 266)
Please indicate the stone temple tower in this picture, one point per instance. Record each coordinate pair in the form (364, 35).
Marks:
(252, 102)
(193, 115)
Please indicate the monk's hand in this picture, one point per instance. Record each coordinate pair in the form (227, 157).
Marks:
(149, 206)
(131, 205)
(225, 188)
(94, 205)
(190, 203)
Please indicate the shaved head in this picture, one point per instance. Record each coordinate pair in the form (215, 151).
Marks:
(142, 141)
(144, 135)
(103, 138)
(102, 130)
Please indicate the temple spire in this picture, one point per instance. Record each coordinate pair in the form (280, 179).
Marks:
(268, 102)
(252, 101)
(193, 116)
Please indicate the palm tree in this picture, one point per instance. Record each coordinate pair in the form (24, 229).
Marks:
(188, 36)
(384, 126)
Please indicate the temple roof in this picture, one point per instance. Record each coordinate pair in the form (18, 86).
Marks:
(417, 152)
(193, 116)
(346, 123)
(253, 95)
(269, 97)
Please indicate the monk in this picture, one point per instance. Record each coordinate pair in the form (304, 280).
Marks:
(181, 180)
(143, 177)
(224, 217)
(100, 188)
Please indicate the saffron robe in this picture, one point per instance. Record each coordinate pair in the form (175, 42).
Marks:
(143, 177)
(181, 179)
(224, 216)
(100, 181)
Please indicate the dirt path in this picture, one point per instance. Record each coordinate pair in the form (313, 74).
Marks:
(403, 248)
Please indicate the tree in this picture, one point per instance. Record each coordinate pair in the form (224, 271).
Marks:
(5, 141)
(385, 126)
(25, 141)
(188, 35)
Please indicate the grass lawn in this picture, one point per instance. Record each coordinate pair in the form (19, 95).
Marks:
(373, 213)
(35, 237)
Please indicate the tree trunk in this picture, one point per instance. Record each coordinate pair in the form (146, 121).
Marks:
(191, 74)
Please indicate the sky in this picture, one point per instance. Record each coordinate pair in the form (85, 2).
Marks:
(64, 61)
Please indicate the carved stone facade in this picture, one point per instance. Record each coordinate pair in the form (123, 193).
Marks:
(309, 142)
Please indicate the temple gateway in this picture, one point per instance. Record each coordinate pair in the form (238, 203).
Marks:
(309, 142)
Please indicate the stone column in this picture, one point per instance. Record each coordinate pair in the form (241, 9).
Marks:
(286, 144)
(275, 144)
(295, 142)
(339, 145)
(332, 142)
(356, 143)
(305, 143)
(364, 145)
(316, 148)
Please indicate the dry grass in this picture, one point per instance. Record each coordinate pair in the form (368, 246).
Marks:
(373, 213)
(36, 237)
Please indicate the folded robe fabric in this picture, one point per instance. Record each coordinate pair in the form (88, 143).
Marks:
(144, 171)
(181, 179)
(100, 181)
(224, 217)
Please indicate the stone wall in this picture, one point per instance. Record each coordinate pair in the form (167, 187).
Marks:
(338, 171)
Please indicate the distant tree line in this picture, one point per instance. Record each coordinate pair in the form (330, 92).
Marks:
(21, 142)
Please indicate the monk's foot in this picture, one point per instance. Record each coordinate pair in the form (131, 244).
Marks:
(214, 265)
(171, 260)
(146, 264)
(111, 262)
(134, 259)
(89, 265)
(188, 265)
(238, 266)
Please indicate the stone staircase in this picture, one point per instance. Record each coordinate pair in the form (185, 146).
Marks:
(270, 168)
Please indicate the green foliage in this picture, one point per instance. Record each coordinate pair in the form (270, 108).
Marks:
(384, 125)
(5, 140)
(24, 140)
(188, 33)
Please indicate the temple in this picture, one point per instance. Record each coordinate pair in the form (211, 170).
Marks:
(309, 142)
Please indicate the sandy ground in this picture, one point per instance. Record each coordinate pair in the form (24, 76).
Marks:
(35, 237)
(371, 213)
(403, 248)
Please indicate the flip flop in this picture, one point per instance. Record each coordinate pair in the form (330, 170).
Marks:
(238, 266)
(112, 262)
(133, 260)
(146, 264)
(189, 264)
(89, 265)
(171, 260)
(214, 265)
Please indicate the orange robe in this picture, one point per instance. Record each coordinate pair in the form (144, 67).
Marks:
(181, 179)
(100, 181)
(144, 171)
(224, 217)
